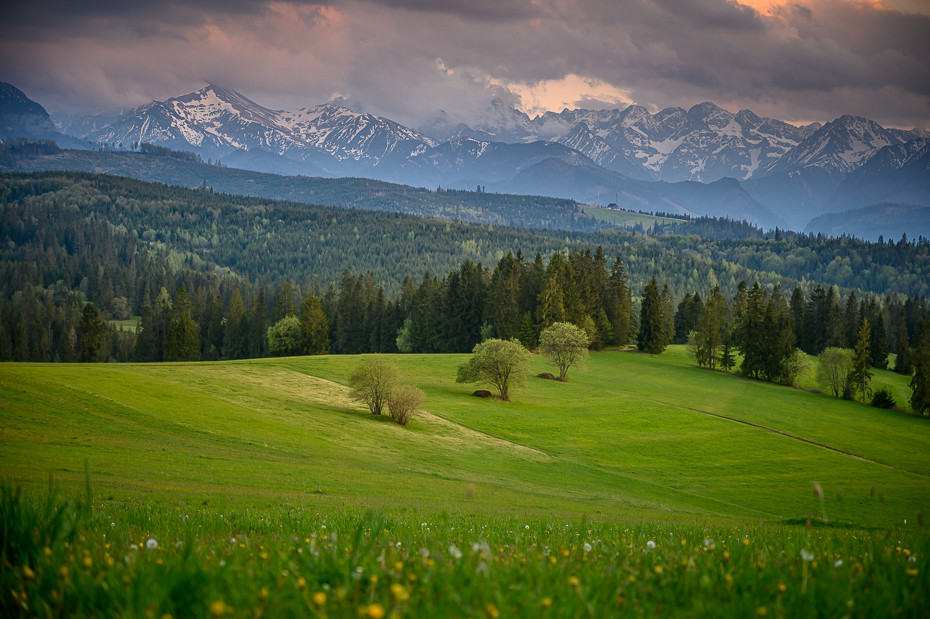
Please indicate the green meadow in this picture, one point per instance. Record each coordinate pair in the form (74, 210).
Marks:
(549, 500)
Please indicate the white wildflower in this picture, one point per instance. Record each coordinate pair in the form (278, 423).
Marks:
(587, 547)
(151, 544)
(650, 544)
(455, 552)
(807, 556)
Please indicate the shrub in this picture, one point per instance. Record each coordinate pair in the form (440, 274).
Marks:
(883, 399)
(404, 402)
(285, 338)
(372, 382)
(833, 369)
(798, 366)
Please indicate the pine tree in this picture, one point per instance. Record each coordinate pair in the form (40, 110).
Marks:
(183, 342)
(91, 334)
(878, 346)
(750, 332)
(233, 347)
(727, 359)
(651, 336)
(617, 304)
(314, 327)
(527, 334)
(147, 337)
(668, 315)
(920, 383)
(904, 363)
(860, 376)
(284, 303)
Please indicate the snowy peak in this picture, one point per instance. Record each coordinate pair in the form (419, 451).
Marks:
(219, 120)
(841, 146)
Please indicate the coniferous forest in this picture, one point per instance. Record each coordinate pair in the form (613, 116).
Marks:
(99, 268)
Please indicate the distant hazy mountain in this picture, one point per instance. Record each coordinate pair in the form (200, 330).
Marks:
(21, 116)
(887, 220)
(898, 174)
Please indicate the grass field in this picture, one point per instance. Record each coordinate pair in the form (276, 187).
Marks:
(626, 219)
(636, 449)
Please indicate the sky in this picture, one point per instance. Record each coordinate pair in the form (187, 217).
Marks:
(446, 61)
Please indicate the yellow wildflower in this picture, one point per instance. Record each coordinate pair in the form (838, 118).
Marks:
(546, 602)
(376, 611)
(493, 613)
(319, 598)
(217, 608)
(301, 583)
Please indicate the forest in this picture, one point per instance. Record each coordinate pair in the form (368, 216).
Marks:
(211, 276)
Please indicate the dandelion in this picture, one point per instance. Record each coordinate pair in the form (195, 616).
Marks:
(455, 552)
(319, 598)
(528, 527)
(546, 602)
(151, 544)
(179, 544)
(658, 570)
(264, 593)
(838, 563)
(301, 583)
(745, 541)
(912, 571)
(573, 581)
(28, 573)
(376, 611)
(218, 608)
(762, 611)
(587, 547)
(88, 562)
(650, 544)
(493, 613)
(709, 544)
(807, 556)
(782, 587)
(400, 592)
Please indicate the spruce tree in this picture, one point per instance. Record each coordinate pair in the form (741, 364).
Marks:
(233, 347)
(183, 342)
(314, 327)
(618, 304)
(668, 315)
(651, 336)
(750, 332)
(147, 337)
(878, 346)
(904, 363)
(527, 333)
(920, 383)
(860, 376)
(91, 334)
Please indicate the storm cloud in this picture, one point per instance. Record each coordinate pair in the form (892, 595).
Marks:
(412, 60)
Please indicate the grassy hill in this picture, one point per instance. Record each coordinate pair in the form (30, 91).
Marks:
(644, 486)
(636, 436)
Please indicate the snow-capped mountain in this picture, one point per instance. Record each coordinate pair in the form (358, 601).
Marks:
(704, 143)
(842, 145)
(219, 121)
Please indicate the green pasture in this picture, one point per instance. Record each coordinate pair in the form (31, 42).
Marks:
(644, 486)
(638, 437)
(625, 219)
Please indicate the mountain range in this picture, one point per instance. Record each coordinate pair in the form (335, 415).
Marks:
(704, 160)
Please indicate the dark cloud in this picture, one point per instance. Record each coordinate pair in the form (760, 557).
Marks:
(807, 60)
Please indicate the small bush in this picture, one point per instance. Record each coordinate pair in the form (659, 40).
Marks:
(404, 402)
(883, 399)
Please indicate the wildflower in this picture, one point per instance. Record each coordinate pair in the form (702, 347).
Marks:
(28, 573)
(151, 544)
(47, 551)
(319, 598)
(546, 602)
(782, 587)
(728, 578)
(587, 547)
(493, 613)
(658, 570)
(632, 578)
(762, 611)
(650, 544)
(400, 592)
(912, 571)
(838, 563)
(63, 571)
(454, 551)
(301, 583)
(88, 562)
(264, 593)
(527, 527)
(376, 611)
(745, 541)
(573, 581)
(217, 608)
(709, 544)
(726, 555)
(807, 556)
(263, 555)
(179, 544)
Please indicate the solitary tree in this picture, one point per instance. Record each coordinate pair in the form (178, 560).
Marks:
(566, 345)
(372, 382)
(920, 382)
(404, 402)
(833, 368)
(651, 336)
(860, 375)
(91, 334)
(502, 363)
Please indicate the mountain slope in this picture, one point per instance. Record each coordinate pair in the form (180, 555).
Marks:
(898, 174)
(21, 116)
(887, 220)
